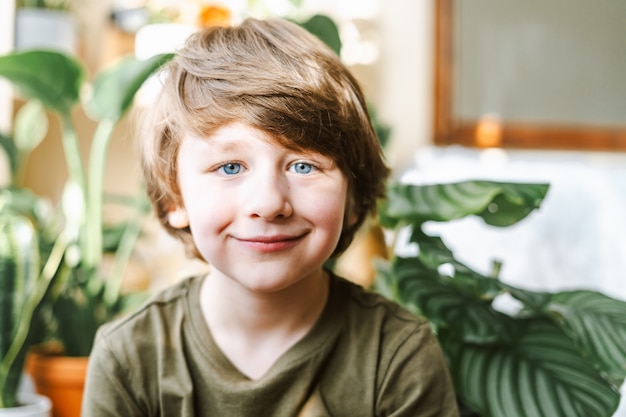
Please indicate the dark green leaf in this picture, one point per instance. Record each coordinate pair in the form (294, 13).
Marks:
(540, 375)
(325, 29)
(499, 204)
(433, 252)
(111, 236)
(11, 152)
(513, 203)
(51, 77)
(114, 88)
(453, 303)
(597, 323)
(534, 301)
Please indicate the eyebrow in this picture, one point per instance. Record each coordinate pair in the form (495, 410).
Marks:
(229, 146)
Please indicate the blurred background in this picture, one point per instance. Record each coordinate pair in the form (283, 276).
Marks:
(528, 91)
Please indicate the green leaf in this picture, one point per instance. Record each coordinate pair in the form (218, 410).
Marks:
(7, 144)
(53, 78)
(513, 203)
(540, 375)
(325, 29)
(21, 201)
(499, 204)
(597, 323)
(533, 301)
(456, 303)
(114, 88)
(31, 126)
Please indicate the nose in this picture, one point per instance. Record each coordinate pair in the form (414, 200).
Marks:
(269, 196)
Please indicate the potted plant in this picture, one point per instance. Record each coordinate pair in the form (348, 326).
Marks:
(558, 354)
(24, 231)
(74, 296)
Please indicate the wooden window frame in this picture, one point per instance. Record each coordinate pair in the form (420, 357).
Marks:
(451, 131)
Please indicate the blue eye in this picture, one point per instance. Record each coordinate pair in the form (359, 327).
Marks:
(230, 168)
(302, 168)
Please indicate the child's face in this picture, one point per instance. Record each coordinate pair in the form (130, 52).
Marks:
(259, 213)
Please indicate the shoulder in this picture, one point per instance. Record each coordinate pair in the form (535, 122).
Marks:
(373, 323)
(371, 307)
(141, 346)
(393, 352)
(154, 317)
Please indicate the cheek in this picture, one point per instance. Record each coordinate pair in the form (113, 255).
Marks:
(328, 211)
(208, 211)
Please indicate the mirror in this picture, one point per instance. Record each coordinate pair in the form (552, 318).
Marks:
(534, 74)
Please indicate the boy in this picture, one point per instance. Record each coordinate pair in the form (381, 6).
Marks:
(260, 156)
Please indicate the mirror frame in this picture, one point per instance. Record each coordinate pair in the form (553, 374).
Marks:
(451, 131)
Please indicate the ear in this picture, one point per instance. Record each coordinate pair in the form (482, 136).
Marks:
(177, 218)
(350, 216)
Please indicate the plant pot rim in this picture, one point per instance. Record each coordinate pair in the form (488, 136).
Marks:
(68, 369)
(31, 403)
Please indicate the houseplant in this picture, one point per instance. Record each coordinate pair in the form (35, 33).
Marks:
(559, 354)
(74, 297)
(24, 229)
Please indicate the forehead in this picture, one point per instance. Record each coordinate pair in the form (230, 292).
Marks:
(235, 136)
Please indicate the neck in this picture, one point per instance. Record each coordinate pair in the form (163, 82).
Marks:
(229, 305)
(254, 329)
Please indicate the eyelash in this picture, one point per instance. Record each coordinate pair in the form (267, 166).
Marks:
(308, 165)
(222, 168)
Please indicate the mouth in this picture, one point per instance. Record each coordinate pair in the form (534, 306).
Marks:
(274, 243)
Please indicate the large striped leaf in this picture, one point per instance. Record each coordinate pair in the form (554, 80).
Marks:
(541, 375)
(456, 304)
(498, 203)
(597, 323)
(434, 253)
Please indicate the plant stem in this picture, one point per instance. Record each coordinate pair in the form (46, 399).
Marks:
(71, 149)
(122, 255)
(97, 162)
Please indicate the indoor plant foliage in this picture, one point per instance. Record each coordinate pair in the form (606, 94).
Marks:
(56, 268)
(25, 231)
(43, 4)
(561, 354)
(31, 251)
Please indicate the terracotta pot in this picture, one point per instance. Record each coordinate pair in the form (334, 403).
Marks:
(60, 378)
(33, 406)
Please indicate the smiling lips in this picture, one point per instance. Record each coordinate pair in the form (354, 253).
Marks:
(268, 244)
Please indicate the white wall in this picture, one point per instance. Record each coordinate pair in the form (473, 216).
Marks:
(6, 103)
(406, 84)
(6, 43)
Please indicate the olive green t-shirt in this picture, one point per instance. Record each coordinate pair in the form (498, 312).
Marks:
(365, 356)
